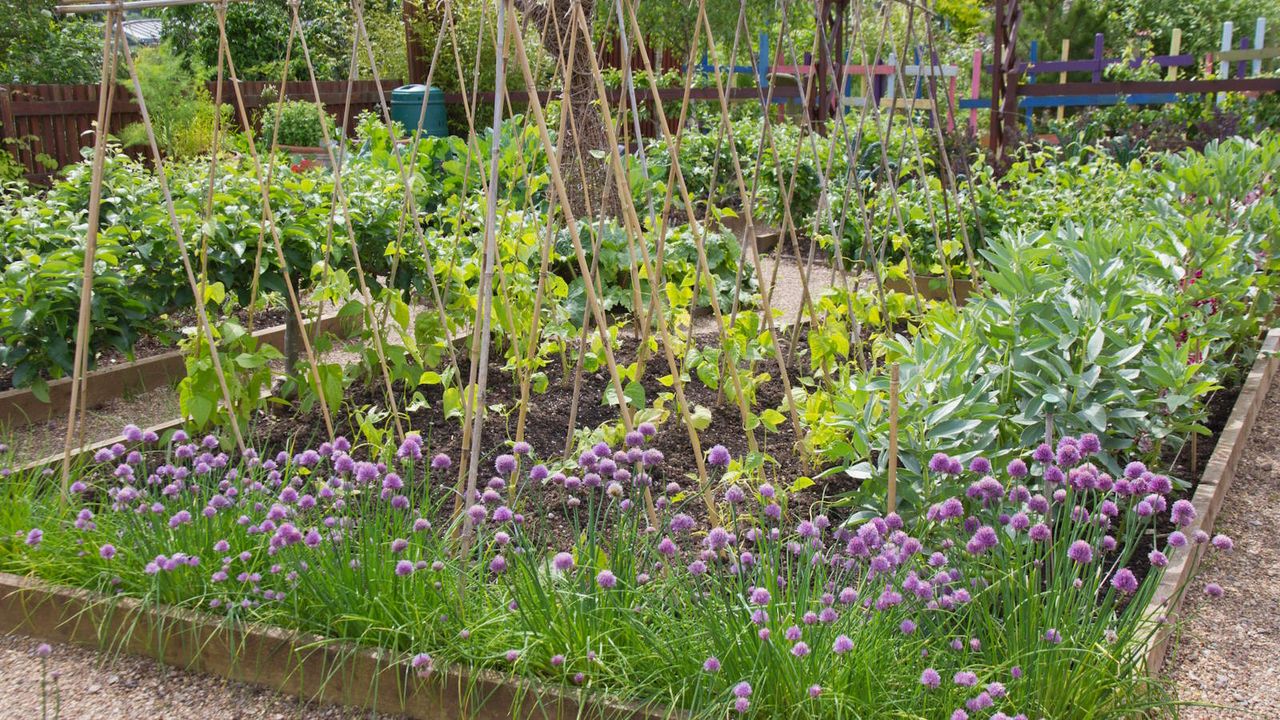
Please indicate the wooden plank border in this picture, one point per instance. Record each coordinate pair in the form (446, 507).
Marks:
(1218, 475)
(20, 407)
(309, 667)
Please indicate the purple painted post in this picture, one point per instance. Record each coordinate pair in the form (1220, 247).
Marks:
(1244, 45)
(1099, 61)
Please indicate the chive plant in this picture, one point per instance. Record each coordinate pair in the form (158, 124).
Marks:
(1017, 598)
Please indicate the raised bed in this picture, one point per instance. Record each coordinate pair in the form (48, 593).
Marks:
(1214, 484)
(20, 407)
(306, 666)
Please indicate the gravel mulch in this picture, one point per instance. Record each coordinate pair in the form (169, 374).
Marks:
(94, 686)
(1229, 650)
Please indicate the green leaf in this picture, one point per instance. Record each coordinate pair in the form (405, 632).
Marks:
(700, 417)
(452, 401)
(1094, 348)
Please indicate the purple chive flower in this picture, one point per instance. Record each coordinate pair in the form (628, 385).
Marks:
(1223, 543)
(711, 664)
(1017, 468)
(441, 462)
(800, 649)
(108, 551)
(930, 678)
(741, 705)
(980, 465)
(522, 448)
(742, 690)
(498, 565)
(562, 562)
(1052, 635)
(404, 567)
(35, 536)
(422, 663)
(718, 456)
(681, 523)
(1039, 532)
(43, 650)
(1080, 552)
(760, 596)
(1183, 513)
(505, 464)
(842, 645)
(606, 580)
(1043, 454)
(1177, 539)
(964, 678)
(512, 655)
(1125, 582)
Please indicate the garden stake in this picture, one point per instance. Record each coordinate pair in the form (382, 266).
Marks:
(201, 315)
(557, 180)
(365, 295)
(766, 309)
(485, 293)
(90, 244)
(892, 499)
(629, 212)
(699, 233)
(264, 186)
(407, 173)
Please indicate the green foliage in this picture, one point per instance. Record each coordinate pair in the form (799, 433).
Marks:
(245, 367)
(38, 46)
(298, 121)
(1122, 316)
(181, 107)
(257, 34)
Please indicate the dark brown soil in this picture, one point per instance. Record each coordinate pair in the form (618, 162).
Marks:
(548, 420)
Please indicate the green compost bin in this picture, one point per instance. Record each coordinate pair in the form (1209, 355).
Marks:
(406, 108)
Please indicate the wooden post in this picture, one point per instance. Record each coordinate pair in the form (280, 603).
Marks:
(412, 44)
(975, 90)
(1062, 76)
(1224, 68)
(7, 127)
(1031, 79)
(891, 501)
(1259, 42)
(1175, 46)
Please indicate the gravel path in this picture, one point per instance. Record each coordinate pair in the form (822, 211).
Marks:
(1230, 648)
(92, 686)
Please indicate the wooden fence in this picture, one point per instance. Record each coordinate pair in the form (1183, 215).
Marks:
(56, 121)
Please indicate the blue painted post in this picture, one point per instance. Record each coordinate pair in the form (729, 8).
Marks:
(762, 64)
(1031, 79)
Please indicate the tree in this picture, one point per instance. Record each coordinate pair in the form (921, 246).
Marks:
(39, 46)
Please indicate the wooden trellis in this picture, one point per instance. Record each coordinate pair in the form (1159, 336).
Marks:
(618, 110)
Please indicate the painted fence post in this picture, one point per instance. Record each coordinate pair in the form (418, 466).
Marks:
(1062, 76)
(975, 85)
(1099, 62)
(762, 62)
(1259, 42)
(1244, 45)
(1175, 45)
(1224, 68)
(1031, 79)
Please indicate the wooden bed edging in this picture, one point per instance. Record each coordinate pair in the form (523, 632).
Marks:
(308, 667)
(20, 407)
(1216, 480)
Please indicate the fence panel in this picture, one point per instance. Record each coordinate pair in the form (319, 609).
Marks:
(57, 120)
